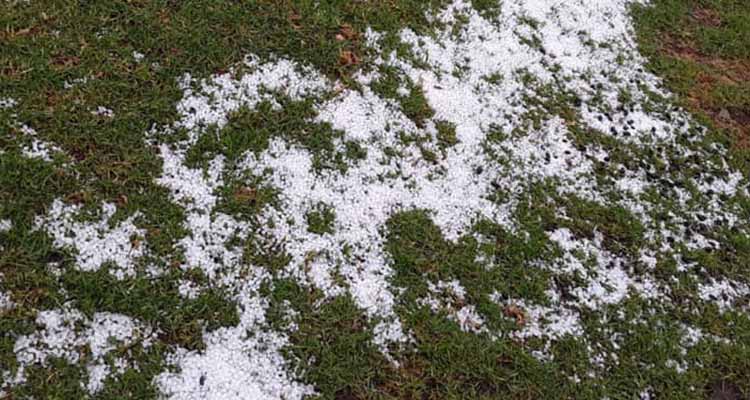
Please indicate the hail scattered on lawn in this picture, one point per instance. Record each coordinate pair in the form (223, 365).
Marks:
(95, 243)
(32, 146)
(67, 334)
(482, 76)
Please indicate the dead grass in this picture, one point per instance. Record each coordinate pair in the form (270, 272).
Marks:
(714, 72)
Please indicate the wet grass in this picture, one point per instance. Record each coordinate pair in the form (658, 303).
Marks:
(702, 50)
(61, 60)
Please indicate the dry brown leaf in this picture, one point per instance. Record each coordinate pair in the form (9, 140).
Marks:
(122, 200)
(348, 58)
(347, 32)
(246, 195)
(76, 198)
(295, 19)
(517, 313)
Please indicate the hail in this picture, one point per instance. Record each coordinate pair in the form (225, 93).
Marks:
(454, 189)
(450, 298)
(95, 243)
(35, 147)
(562, 57)
(68, 335)
(241, 362)
(557, 51)
(244, 361)
(6, 302)
(102, 111)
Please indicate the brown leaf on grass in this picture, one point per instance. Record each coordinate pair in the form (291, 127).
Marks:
(62, 61)
(122, 200)
(348, 58)
(295, 20)
(515, 312)
(246, 195)
(153, 232)
(77, 198)
(347, 32)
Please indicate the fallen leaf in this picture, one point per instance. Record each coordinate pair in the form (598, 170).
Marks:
(348, 58)
(347, 32)
(246, 195)
(517, 313)
(76, 198)
(295, 19)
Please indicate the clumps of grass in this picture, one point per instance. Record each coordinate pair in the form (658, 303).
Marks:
(245, 197)
(333, 342)
(61, 380)
(622, 232)
(253, 130)
(731, 260)
(28, 185)
(154, 301)
(416, 107)
(392, 85)
(320, 219)
(489, 9)
(137, 382)
(501, 263)
(438, 368)
(701, 50)
(26, 278)
(410, 97)
(446, 134)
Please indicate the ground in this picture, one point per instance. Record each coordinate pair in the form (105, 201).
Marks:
(403, 199)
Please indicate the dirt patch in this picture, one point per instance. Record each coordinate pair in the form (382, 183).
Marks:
(715, 72)
(723, 390)
(706, 17)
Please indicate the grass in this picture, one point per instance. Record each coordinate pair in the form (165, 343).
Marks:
(702, 50)
(61, 60)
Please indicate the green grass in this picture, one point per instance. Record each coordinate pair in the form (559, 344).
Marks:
(47, 46)
(43, 45)
(702, 50)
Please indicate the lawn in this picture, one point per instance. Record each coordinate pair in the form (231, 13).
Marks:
(398, 199)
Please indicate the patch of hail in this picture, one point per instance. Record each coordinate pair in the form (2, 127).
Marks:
(559, 50)
(35, 147)
(241, 362)
(728, 295)
(102, 111)
(6, 303)
(95, 243)
(449, 298)
(245, 361)
(475, 75)
(7, 103)
(68, 335)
